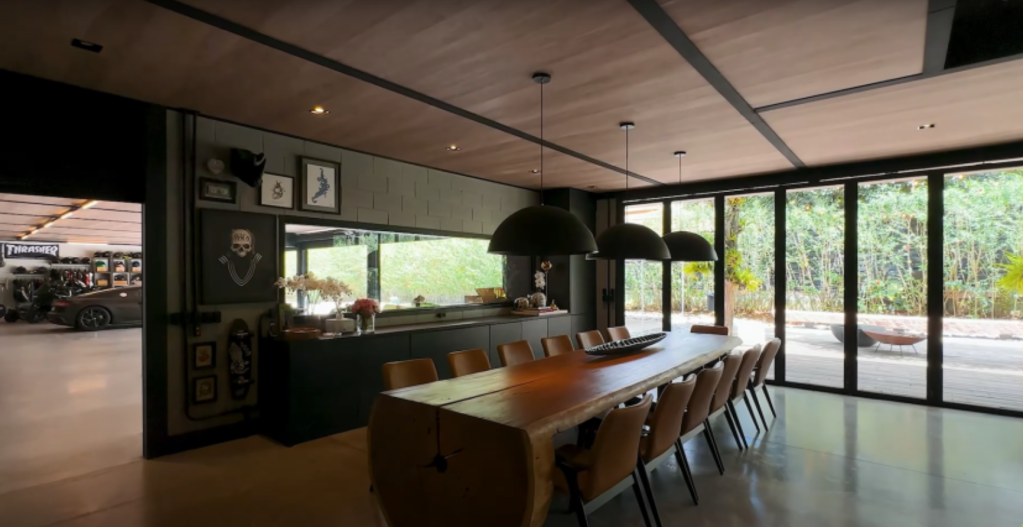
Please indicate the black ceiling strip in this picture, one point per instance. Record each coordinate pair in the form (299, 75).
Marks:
(656, 17)
(304, 54)
(939, 29)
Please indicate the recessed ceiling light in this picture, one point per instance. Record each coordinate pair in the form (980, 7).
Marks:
(453, 148)
(319, 110)
(927, 126)
(534, 171)
(86, 45)
(592, 186)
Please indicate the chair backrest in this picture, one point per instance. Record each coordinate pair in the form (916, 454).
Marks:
(403, 374)
(713, 330)
(699, 405)
(766, 359)
(732, 362)
(667, 419)
(515, 353)
(749, 361)
(557, 345)
(468, 361)
(618, 333)
(588, 339)
(615, 449)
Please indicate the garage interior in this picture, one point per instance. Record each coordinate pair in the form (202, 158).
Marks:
(70, 400)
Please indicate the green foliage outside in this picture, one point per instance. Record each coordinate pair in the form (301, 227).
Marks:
(443, 270)
(347, 264)
(983, 250)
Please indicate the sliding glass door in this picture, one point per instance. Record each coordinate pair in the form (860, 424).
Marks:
(983, 289)
(815, 276)
(892, 287)
(692, 283)
(749, 268)
(643, 306)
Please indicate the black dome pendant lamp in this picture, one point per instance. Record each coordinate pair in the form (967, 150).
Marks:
(688, 246)
(542, 230)
(629, 241)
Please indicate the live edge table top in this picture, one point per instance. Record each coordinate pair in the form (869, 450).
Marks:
(490, 432)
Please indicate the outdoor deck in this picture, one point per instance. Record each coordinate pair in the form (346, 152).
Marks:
(978, 371)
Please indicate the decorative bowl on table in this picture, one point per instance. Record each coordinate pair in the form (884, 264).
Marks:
(626, 346)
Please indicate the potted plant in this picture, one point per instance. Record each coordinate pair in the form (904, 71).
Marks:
(366, 310)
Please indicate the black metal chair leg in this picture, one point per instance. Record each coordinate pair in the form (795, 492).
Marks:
(645, 478)
(738, 425)
(639, 498)
(767, 394)
(713, 444)
(687, 473)
(575, 498)
(756, 401)
(749, 407)
(731, 426)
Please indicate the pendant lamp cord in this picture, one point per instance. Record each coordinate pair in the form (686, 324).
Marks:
(679, 170)
(626, 159)
(541, 143)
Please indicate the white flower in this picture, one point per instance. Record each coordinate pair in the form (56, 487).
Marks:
(540, 280)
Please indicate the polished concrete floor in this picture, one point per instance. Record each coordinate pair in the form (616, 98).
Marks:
(70, 402)
(827, 460)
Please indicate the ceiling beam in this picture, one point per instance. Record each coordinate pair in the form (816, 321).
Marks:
(304, 54)
(940, 14)
(669, 30)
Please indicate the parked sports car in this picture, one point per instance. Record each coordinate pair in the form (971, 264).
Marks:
(121, 306)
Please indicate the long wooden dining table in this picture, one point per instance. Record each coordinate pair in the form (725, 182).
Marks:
(477, 450)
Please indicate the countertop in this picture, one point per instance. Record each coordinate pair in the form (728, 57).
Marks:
(448, 324)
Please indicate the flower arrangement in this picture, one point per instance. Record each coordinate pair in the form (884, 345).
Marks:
(366, 307)
(317, 289)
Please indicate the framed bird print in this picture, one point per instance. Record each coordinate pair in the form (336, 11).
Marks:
(321, 186)
(277, 191)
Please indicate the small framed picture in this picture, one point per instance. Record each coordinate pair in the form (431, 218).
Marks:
(277, 191)
(204, 389)
(217, 190)
(204, 355)
(321, 185)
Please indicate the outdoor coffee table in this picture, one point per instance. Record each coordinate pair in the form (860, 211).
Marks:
(893, 339)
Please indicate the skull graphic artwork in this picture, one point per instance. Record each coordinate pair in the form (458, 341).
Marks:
(242, 242)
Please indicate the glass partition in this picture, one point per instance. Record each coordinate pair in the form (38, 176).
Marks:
(749, 268)
(892, 287)
(643, 278)
(692, 291)
(983, 289)
(815, 274)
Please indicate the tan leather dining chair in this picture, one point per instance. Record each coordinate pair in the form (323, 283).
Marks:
(662, 440)
(407, 373)
(695, 420)
(760, 377)
(712, 330)
(742, 381)
(557, 345)
(515, 353)
(468, 362)
(586, 475)
(719, 404)
(618, 333)
(588, 339)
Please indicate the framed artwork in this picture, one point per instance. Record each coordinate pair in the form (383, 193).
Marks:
(238, 257)
(277, 191)
(204, 389)
(217, 190)
(204, 355)
(321, 185)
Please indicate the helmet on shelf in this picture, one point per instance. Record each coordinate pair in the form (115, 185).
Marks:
(84, 260)
(20, 270)
(118, 255)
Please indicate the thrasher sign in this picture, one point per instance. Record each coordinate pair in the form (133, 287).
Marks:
(48, 251)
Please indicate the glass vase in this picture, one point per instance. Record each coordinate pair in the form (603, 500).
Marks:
(366, 323)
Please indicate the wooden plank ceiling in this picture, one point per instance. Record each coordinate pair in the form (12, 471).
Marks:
(107, 222)
(608, 63)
